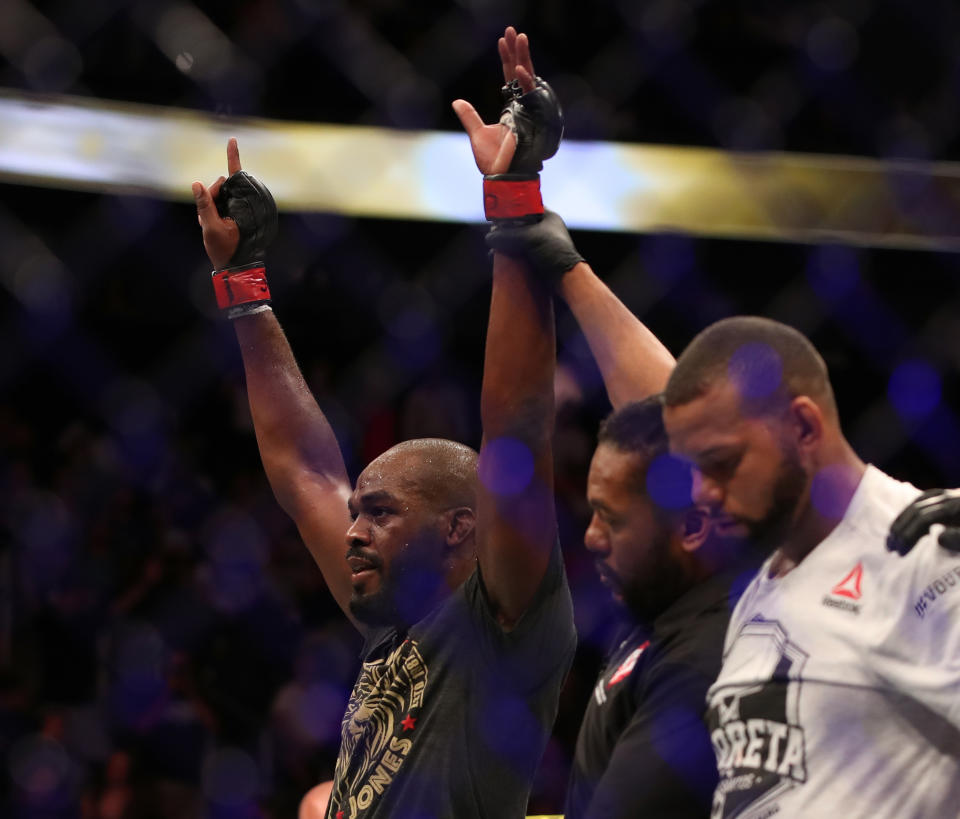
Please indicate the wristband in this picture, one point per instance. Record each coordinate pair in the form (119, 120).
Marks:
(512, 196)
(242, 290)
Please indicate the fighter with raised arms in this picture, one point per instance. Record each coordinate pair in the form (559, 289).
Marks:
(643, 747)
(456, 582)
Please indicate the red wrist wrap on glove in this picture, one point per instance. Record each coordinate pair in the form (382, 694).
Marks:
(512, 196)
(244, 285)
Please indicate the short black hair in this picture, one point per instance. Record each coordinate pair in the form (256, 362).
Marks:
(636, 427)
(770, 361)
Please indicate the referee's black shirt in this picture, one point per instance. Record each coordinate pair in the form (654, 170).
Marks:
(643, 748)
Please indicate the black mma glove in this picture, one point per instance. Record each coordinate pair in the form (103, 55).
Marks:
(545, 246)
(241, 288)
(537, 120)
(933, 506)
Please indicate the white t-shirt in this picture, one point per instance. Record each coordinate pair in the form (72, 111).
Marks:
(839, 693)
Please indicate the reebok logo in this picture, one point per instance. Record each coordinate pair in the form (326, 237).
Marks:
(848, 588)
(850, 585)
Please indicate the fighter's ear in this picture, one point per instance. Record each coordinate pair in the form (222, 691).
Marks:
(461, 522)
(696, 528)
(807, 420)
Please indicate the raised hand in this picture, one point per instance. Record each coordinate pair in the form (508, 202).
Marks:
(510, 153)
(494, 145)
(238, 218)
(220, 234)
(515, 55)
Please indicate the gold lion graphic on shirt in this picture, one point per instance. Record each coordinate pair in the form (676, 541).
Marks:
(378, 729)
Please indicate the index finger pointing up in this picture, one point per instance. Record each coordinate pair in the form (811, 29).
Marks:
(233, 156)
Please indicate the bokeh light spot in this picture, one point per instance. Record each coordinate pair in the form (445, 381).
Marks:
(825, 494)
(230, 777)
(510, 728)
(688, 757)
(669, 257)
(140, 652)
(184, 61)
(38, 765)
(756, 369)
(43, 284)
(320, 710)
(833, 271)
(670, 482)
(832, 44)
(914, 389)
(506, 466)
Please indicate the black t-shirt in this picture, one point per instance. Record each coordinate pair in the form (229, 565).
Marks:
(643, 748)
(449, 720)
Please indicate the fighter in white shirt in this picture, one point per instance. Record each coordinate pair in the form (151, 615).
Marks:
(840, 688)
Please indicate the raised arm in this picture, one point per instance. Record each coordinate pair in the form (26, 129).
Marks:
(632, 360)
(300, 453)
(516, 526)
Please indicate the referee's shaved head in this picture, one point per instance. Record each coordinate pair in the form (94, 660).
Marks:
(769, 362)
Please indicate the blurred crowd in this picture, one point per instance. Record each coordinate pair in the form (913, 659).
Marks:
(168, 646)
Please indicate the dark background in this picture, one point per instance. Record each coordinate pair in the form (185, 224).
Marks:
(166, 645)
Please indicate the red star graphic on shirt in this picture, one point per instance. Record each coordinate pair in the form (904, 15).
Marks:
(408, 723)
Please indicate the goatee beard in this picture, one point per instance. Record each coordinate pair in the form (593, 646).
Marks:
(406, 597)
(666, 581)
(769, 532)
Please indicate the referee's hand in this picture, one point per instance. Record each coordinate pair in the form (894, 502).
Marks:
(933, 506)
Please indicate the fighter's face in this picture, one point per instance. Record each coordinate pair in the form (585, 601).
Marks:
(629, 541)
(746, 466)
(395, 547)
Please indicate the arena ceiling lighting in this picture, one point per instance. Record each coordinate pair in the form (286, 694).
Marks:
(363, 171)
